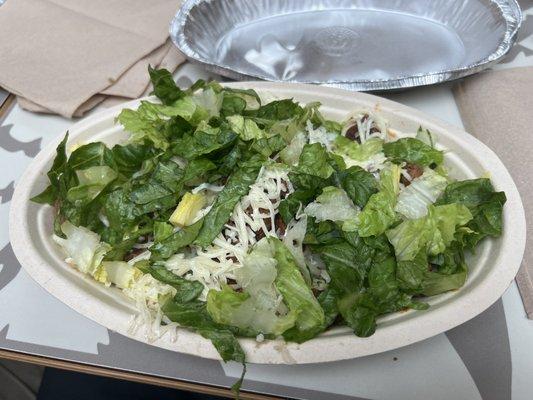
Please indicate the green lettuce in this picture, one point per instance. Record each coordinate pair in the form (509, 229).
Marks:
(91, 182)
(433, 232)
(314, 161)
(237, 186)
(356, 151)
(358, 184)
(413, 151)
(378, 213)
(485, 204)
(254, 309)
(333, 204)
(414, 200)
(296, 295)
(240, 310)
(246, 128)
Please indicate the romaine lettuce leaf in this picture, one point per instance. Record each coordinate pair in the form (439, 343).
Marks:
(416, 277)
(119, 273)
(56, 177)
(91, 182)
(314, 161)
(291, 154)
(333, 204)
(206, 140)
(237, 186)
(164, 86)
(358, 184)
(434, 232)
(186, 290)
(356, 151)
(246, 128)
(413, 151)
(297, 295)
(378, 213)
(209, 100)
(232, 308)
(161, 250)
(413, 201)
(82, 247)
(194, 315)
(484, 203)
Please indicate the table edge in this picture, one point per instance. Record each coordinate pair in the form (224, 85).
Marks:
(129, 376)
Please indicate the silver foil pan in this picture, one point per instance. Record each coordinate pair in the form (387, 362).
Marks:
(354, 44)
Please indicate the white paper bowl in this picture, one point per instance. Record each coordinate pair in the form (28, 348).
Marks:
(492, 268)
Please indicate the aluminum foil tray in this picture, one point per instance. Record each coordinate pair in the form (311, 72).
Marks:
(353, 44)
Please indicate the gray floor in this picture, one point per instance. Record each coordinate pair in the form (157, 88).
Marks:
(19, 381)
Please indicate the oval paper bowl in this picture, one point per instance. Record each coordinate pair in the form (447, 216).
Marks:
(491, 269)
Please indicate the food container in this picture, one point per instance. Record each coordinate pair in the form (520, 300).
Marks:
(353, 44)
